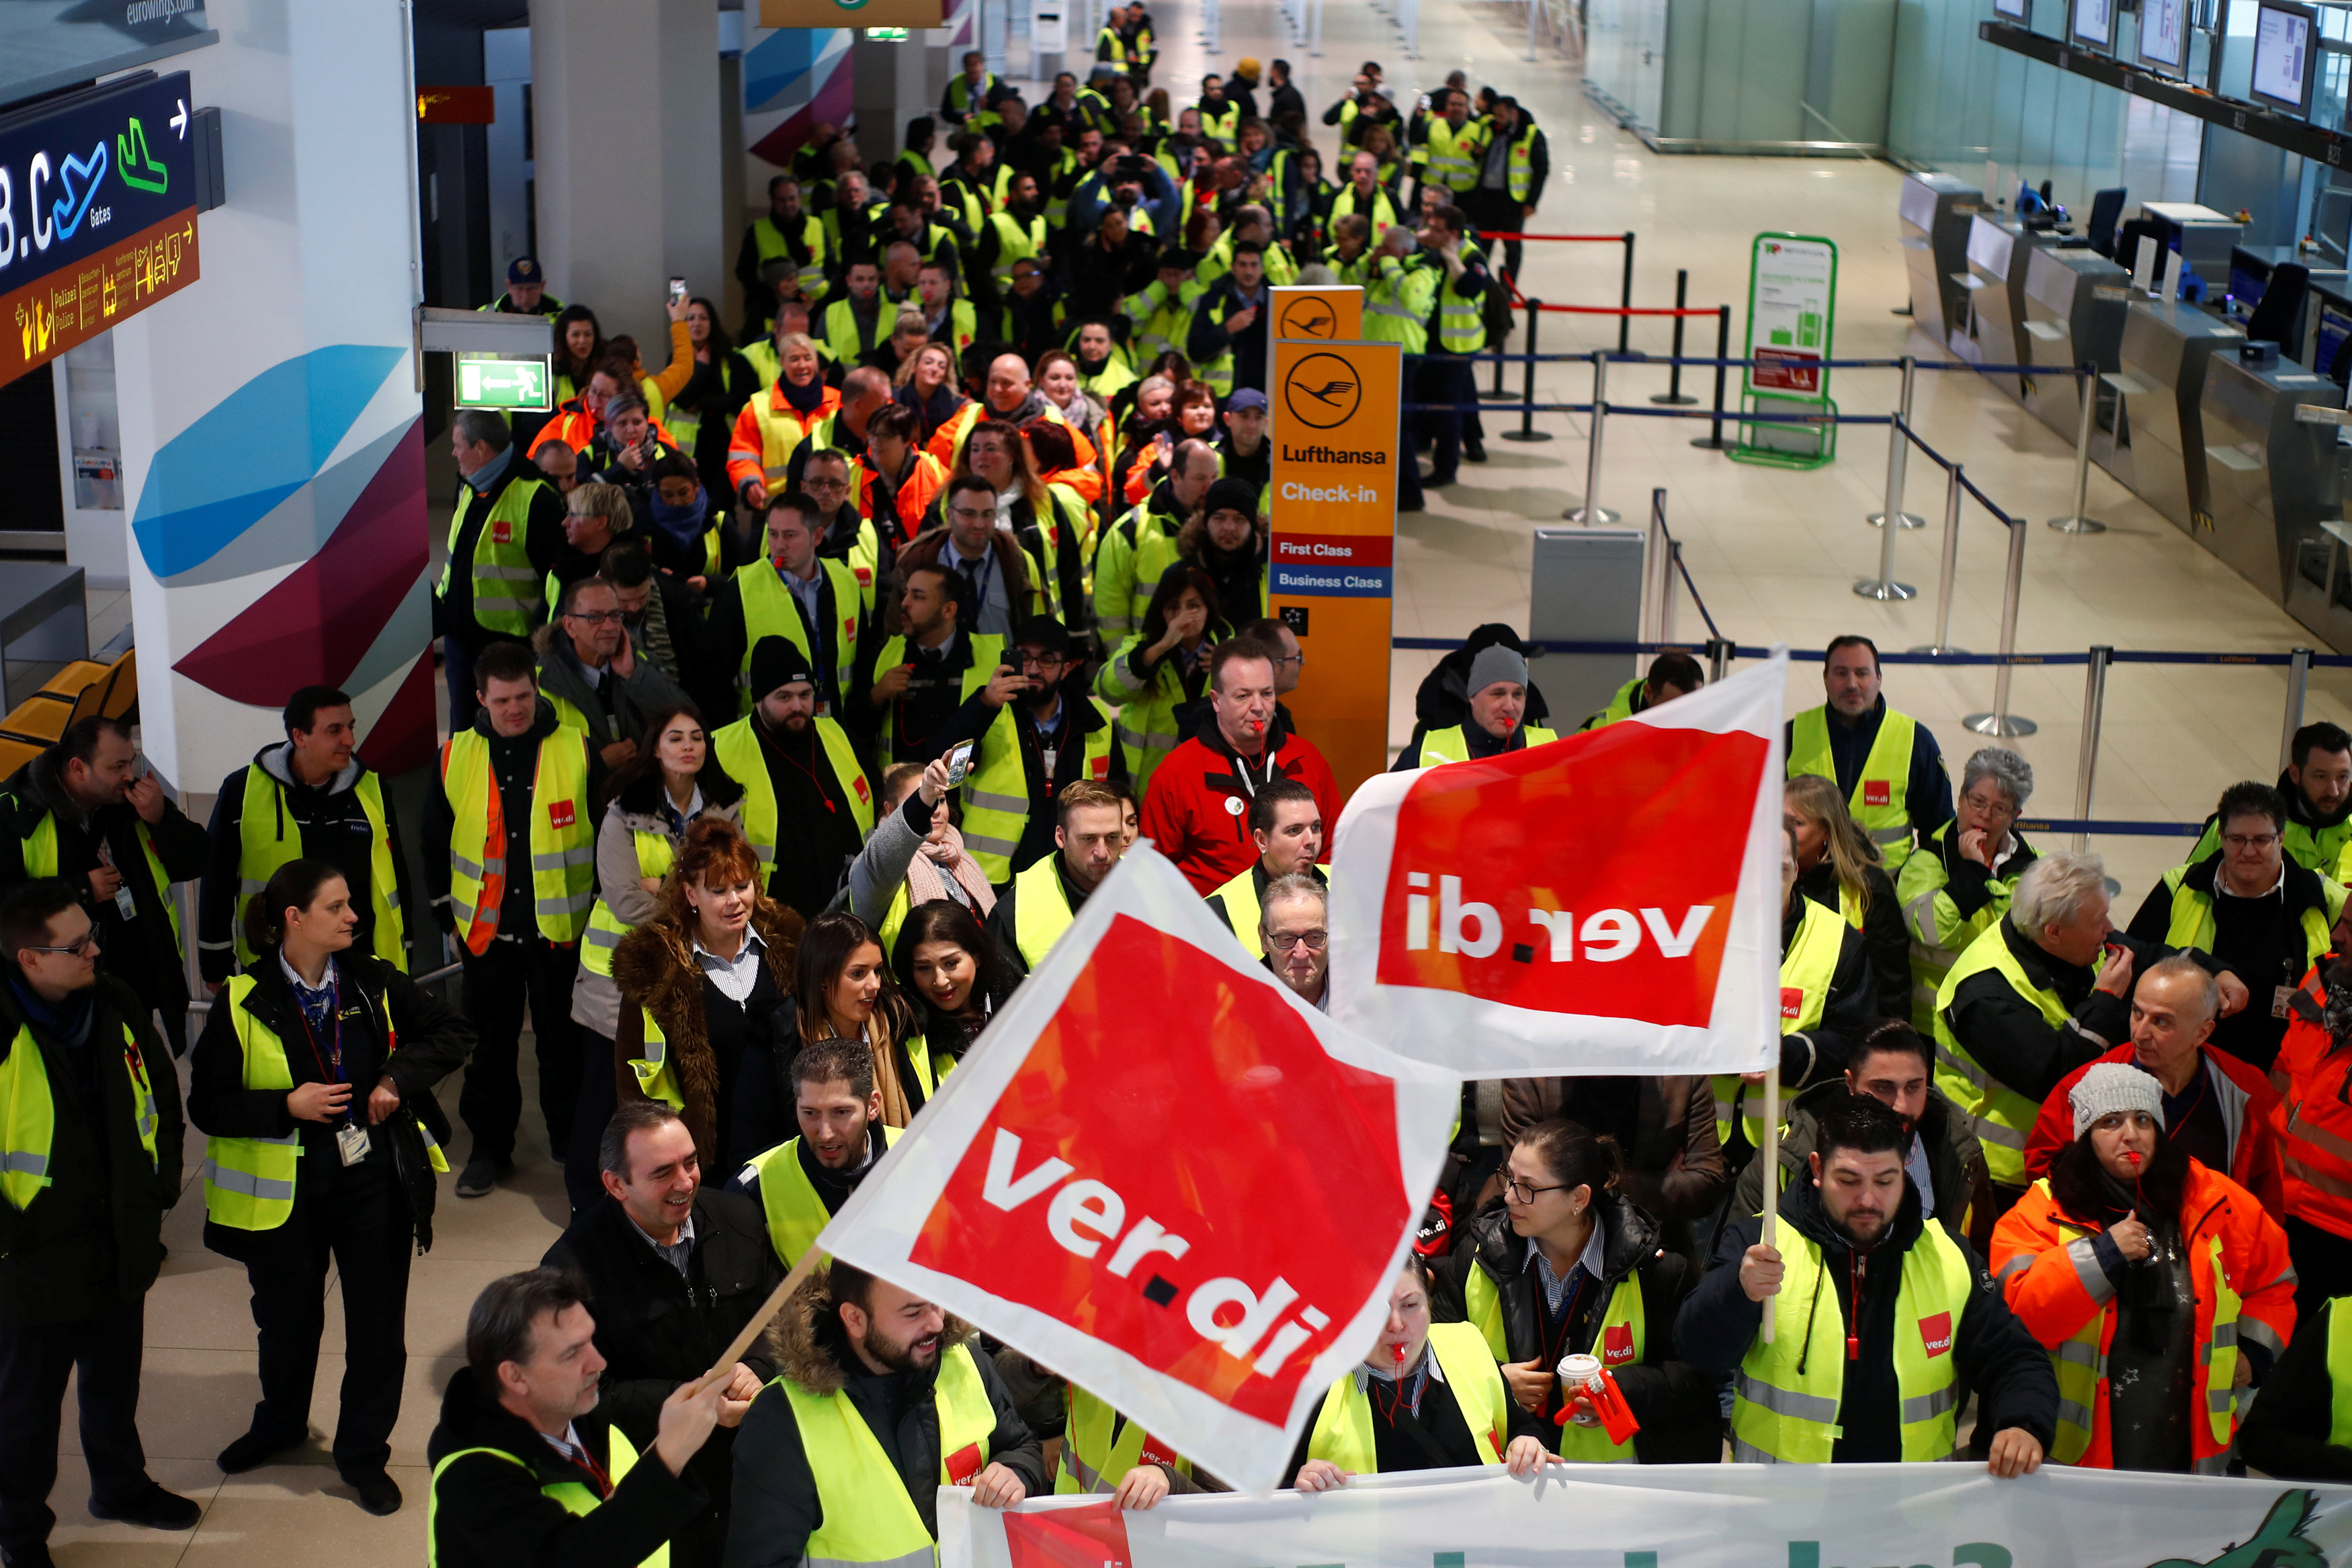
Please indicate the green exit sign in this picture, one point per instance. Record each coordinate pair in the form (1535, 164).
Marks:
(486, 380)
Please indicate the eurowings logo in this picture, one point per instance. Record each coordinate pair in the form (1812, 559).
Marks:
(81, 180)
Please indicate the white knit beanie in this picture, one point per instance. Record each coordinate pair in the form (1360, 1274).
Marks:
(2112, 1086)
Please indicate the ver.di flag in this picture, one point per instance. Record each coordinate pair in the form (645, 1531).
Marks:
(1607, 903)
(1162, 1176)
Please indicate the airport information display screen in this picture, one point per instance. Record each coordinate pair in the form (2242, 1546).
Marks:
(2284, 41)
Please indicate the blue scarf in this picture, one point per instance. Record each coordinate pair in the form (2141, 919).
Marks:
(490, 473)
(683, 525)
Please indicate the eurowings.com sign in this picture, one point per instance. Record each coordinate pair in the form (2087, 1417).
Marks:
(1684, 1516)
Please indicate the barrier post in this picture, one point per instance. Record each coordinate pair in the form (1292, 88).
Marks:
(1527, 430)
(1898, 454)
(1718, 656)
(2078, 521)
(1666, 604)
(1625, 298)
(1952, 496)
(2000, 721)
(2298, 681)
(2094, 708)
(1673, 395)
(1884, 588)
(1655, 584)
(1592, 511)
(1531, 31)
(1315, 49)
(1712, 439)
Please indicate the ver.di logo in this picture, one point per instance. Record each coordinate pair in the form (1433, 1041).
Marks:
(1322, 391)
(1309, 318)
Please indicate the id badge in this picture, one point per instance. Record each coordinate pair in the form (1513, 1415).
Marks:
(2281, 996)
(123, 903)
(352, 1142)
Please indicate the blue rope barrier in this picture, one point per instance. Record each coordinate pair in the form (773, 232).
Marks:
(1814, 656)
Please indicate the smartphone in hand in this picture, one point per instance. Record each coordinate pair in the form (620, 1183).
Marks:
(960, 762)
(677, 290)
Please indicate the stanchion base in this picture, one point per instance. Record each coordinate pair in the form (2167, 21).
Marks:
(1931, 648)
(1910, 520)
(1872, 588)
(1711, 444)
(2003, 725)
(1526, 435)
(2078, 526)
(1602, 515)
(1672, 401)
(1491, 395)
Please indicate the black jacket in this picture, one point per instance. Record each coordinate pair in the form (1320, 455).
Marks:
(377, 1001)
(514, 765)
(2006, 1366)
(93, 1237)
(488, 1510)
(1927, 791)
(776, 1505)
(141, 951)
(657, 1328)
(2007, 1033)
(1676, 1405)
(332, 827)
(2261, 940)
(1886, 941)
(1851, 1011)
(1955, 1154)
(542, 541)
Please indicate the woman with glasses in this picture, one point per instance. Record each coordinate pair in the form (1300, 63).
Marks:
(1956, 886)
(1837, 868)
(2260, 915)
(1569, 1267)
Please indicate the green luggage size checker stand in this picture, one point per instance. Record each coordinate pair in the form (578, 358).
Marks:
(1791, 306)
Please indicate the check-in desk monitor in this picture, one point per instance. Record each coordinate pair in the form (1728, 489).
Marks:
(2092, 25)
(2250, 275)
(2164, 35)
(2331, 326)
(2287, 54)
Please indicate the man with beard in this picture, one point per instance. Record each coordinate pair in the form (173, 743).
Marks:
(807, 805)
(802, 1182)
(1857, 1274)
(842, 1456)
(1053, 736)
(2317, 785)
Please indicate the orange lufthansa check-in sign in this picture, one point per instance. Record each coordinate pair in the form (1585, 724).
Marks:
(1334, 406)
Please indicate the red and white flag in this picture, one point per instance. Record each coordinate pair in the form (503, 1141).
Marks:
(1162, 1176)
(1607, 903)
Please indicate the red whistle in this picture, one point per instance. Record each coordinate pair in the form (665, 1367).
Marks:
(1398, 1351)
(1599, 1393)
(2132, 1154)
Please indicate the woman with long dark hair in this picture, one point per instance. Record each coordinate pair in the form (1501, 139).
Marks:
(1569, 1267)
(842, 990)
(2159, 1287)
(957, 976)
(1160, 673)
(314, 1079)
(580, 348)
(701, 415)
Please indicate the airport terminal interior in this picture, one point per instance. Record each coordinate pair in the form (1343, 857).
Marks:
(1908, 138)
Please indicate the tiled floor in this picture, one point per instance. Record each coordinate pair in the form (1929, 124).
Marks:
(1773, 552)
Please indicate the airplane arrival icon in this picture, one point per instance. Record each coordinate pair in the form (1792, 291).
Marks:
(1322, 391)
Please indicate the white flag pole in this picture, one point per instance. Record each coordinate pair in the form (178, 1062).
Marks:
(1770, 1154)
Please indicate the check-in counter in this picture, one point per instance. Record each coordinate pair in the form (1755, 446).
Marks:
(2274, 478)
(2075, 303)
(2000, 256)
(1936, 213)
(2162, 376)
(2203, 238)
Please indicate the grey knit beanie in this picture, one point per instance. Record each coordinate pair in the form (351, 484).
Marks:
(1496, 662)
(2112, 1086)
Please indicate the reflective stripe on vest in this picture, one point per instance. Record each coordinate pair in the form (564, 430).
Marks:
(575, 1496)
(1040, 913)
(2001, 1115)
(737, 750)
(2193, 920)
(987, 653)
(506, 589)
(561, 840)
(250, 1182)
(1885, 772)
(1343, 1425)
(771, 611)
(655, 854)
(1450, 156)
(40, 852)
(29, 1123)
(1100, 1447)
(1807, 969)
(268, 837)
(795, 1212)
(1781, 1415)
(1448, 746)
(869, 1522)
(772, 247)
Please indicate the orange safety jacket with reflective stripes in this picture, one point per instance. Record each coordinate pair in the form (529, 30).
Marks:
(2248, 1104)
(2313, 1118)
(924, 477)
(2043, 1263)
(747, 448)
(574, 426)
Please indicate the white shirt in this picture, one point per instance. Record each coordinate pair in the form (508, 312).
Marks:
(734, 977)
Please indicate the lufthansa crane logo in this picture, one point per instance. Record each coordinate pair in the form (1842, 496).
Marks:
(1322, 391)
(1309, 318)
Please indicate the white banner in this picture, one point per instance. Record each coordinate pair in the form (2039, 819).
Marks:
(1608, 901)
(1683, 1516)
(1163, 1175)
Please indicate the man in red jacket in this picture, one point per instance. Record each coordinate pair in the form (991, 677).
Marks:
(1196, 810)
(2215, 1106)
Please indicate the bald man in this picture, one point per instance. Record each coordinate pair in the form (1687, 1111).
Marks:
(1008, 396)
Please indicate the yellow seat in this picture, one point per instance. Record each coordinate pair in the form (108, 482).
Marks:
(120, 693)
(76, 678)
(14, 754)
(39, 717)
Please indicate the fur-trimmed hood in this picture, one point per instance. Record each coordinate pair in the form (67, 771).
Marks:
(806, 1353)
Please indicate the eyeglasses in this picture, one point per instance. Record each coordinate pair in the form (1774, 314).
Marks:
(2250, 840)
(1518, 1191)
(1985, 807)
(1041, 661)
(1283, 941)
(594, 617)
(815, 484)
(71, 950)
(1298, 658)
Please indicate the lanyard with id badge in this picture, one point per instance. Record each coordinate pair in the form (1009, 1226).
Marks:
(350, 1138)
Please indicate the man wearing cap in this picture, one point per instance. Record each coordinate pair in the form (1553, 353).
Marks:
(1196, 808)
(807, 802)
(1498, 708)
(1242, 451)
(526, 292)
(1039, 730)
(2157, 1285)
